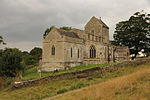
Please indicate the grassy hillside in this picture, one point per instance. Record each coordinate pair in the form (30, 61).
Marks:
(51, 88)
(32, 73)
(135, 86)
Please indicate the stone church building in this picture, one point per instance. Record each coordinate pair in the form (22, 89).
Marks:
(67, 48)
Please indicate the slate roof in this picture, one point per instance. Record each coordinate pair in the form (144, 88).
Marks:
(67, 33)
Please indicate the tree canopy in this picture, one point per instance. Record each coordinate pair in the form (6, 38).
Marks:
(10, 62)
(1, 40)
(134, 33)
(13, 61)
(47, 30)
(36, 52)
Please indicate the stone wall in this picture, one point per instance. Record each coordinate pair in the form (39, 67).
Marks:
(49, 61)
(84, 73)
(122, 53)
(97, 29)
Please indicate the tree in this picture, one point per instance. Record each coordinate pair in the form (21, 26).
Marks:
(30, 60)
(134, 33)
(10, 62)
(36, 53)
(1, 40)
(47, 30)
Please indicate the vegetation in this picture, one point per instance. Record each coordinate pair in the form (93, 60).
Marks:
(33, 57)
(47, 30)
(36, 53)
(66, 28)
(62, 91)
(134, 33)
(133, 86)
(13, 64)
(31, 73)
(10, 62)
(1, 40)
(51, 88)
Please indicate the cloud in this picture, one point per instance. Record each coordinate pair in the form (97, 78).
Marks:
(24, 45)
(24, 21)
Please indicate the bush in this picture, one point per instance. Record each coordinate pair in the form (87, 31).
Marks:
(62, 91)
(5, 81)
(10, 62)
(36, 53)
(66, 28)
(29, 60)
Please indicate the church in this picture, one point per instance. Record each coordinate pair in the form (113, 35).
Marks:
(67, 48)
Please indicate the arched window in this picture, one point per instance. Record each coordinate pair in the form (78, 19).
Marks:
(71, 52)
(92, 52)
(53, 50)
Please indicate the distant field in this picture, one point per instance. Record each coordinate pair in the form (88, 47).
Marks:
(51, 88)
(134, 86)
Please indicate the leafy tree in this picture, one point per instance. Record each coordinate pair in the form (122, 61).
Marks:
(24, 53)
(36, 53)
(47, 30)
(1, 40)
(29, 60)
(134, 33)
(10, 62)
(33, 57)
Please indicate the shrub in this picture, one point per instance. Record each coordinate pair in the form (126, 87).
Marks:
(62, 91)
(66, 28)
(29, 60)
(10, 62)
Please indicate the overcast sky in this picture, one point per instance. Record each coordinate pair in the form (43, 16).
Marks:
(23, 22)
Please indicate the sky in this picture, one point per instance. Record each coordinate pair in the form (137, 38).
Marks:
(23, 22)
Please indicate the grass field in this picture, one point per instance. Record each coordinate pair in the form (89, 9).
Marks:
(52, 88)
(32, 73)
(135, 86)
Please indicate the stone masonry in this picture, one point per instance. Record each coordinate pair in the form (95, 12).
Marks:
(67, 48)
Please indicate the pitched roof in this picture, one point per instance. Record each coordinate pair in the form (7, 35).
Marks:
(103, 23)
(99, 20)
(67, 33)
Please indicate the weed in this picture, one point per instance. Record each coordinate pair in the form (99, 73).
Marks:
(62, 91)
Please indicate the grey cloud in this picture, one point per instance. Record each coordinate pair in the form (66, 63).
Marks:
(25, 20)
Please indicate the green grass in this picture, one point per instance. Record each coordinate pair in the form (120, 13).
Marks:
(51, 88)
(32, 73)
